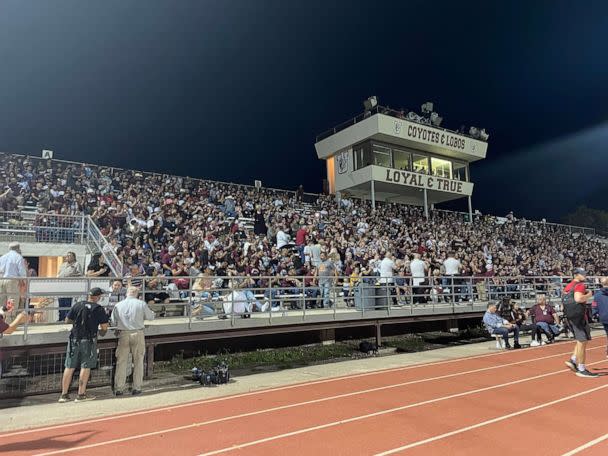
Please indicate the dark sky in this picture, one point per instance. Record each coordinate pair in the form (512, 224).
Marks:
(236, 90)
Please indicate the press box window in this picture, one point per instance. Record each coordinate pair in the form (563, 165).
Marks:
(420, 164)
(441, 168)
(381, 156)
(402, 160)
(460, 171)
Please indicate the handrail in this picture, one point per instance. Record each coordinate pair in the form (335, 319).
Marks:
(104, 247)
(382, 110)
(446, 294)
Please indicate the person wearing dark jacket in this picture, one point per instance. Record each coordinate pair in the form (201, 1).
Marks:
(600, 299)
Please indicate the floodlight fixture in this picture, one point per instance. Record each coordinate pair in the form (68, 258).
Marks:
(427, 108)
(370, 103)
(436, 119)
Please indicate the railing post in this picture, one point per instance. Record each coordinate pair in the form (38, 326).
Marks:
(189, 305)
(27, 306)
(269, 300)
(303, 299)
(389, 299)
(232, 306)
(472, 290)
(82, 222)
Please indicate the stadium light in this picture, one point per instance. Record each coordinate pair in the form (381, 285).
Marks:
(370, 103)
(483, 135)
(427, 108)
(436, 119)
(474, 132)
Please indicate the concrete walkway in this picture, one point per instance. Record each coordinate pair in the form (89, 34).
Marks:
(44, 410)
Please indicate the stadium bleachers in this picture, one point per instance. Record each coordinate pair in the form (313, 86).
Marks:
(157, 221)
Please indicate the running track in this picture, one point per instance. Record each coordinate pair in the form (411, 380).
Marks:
(480, 405)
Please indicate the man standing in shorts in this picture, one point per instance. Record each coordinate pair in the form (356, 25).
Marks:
(86, 317)
(575, 299)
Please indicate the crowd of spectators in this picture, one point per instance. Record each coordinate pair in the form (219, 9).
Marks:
(161, 225)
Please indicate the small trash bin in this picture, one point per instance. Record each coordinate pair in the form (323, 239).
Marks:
(365, 296)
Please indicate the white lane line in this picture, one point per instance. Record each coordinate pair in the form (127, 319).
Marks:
(382, 412)
(488, 422)
(586, 445)
(251, 393)
(301, 431)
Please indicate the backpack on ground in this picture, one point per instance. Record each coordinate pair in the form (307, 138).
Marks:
(367, 348)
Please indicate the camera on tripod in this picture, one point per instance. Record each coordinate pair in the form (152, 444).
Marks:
(217, 375)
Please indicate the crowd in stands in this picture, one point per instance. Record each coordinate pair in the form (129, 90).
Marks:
(160, 225)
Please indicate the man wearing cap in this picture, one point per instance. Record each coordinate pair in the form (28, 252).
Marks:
(86, 317)
(575, 297)
(128, 317)
(12, 267)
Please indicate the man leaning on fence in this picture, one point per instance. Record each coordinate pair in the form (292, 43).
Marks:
(128, 317)
(87, 317)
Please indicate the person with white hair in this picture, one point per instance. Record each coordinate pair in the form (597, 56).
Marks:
(12, 268)
(128, 318)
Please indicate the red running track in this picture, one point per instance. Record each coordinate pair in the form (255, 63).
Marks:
(469, 406)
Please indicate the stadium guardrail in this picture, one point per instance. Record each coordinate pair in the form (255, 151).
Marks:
(202, 298)
(42, 227)
(102, 245)
(381, 110)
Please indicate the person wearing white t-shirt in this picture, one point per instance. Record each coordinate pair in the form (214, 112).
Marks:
(315, 253)
(387, 269)
(387, 273)
(452, 265)
(283, 239)
(418, 269)
(452, 269)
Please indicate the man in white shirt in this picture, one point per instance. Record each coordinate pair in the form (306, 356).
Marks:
(12, 267)
(283, 239)
(315, 253)
(387, 276)
(418, 269)
(128, 318)
(387, 269)
(452, 269)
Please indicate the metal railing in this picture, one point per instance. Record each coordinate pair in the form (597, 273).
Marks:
(99, 241)
(201, 301)
(387, 111)
(37, 227)
(203, 298)
(58, 229)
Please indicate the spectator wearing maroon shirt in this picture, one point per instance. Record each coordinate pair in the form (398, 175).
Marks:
(575, 311)
(301, 235)
(545, 318)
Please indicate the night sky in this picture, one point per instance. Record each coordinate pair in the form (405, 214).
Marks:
(237, 90)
